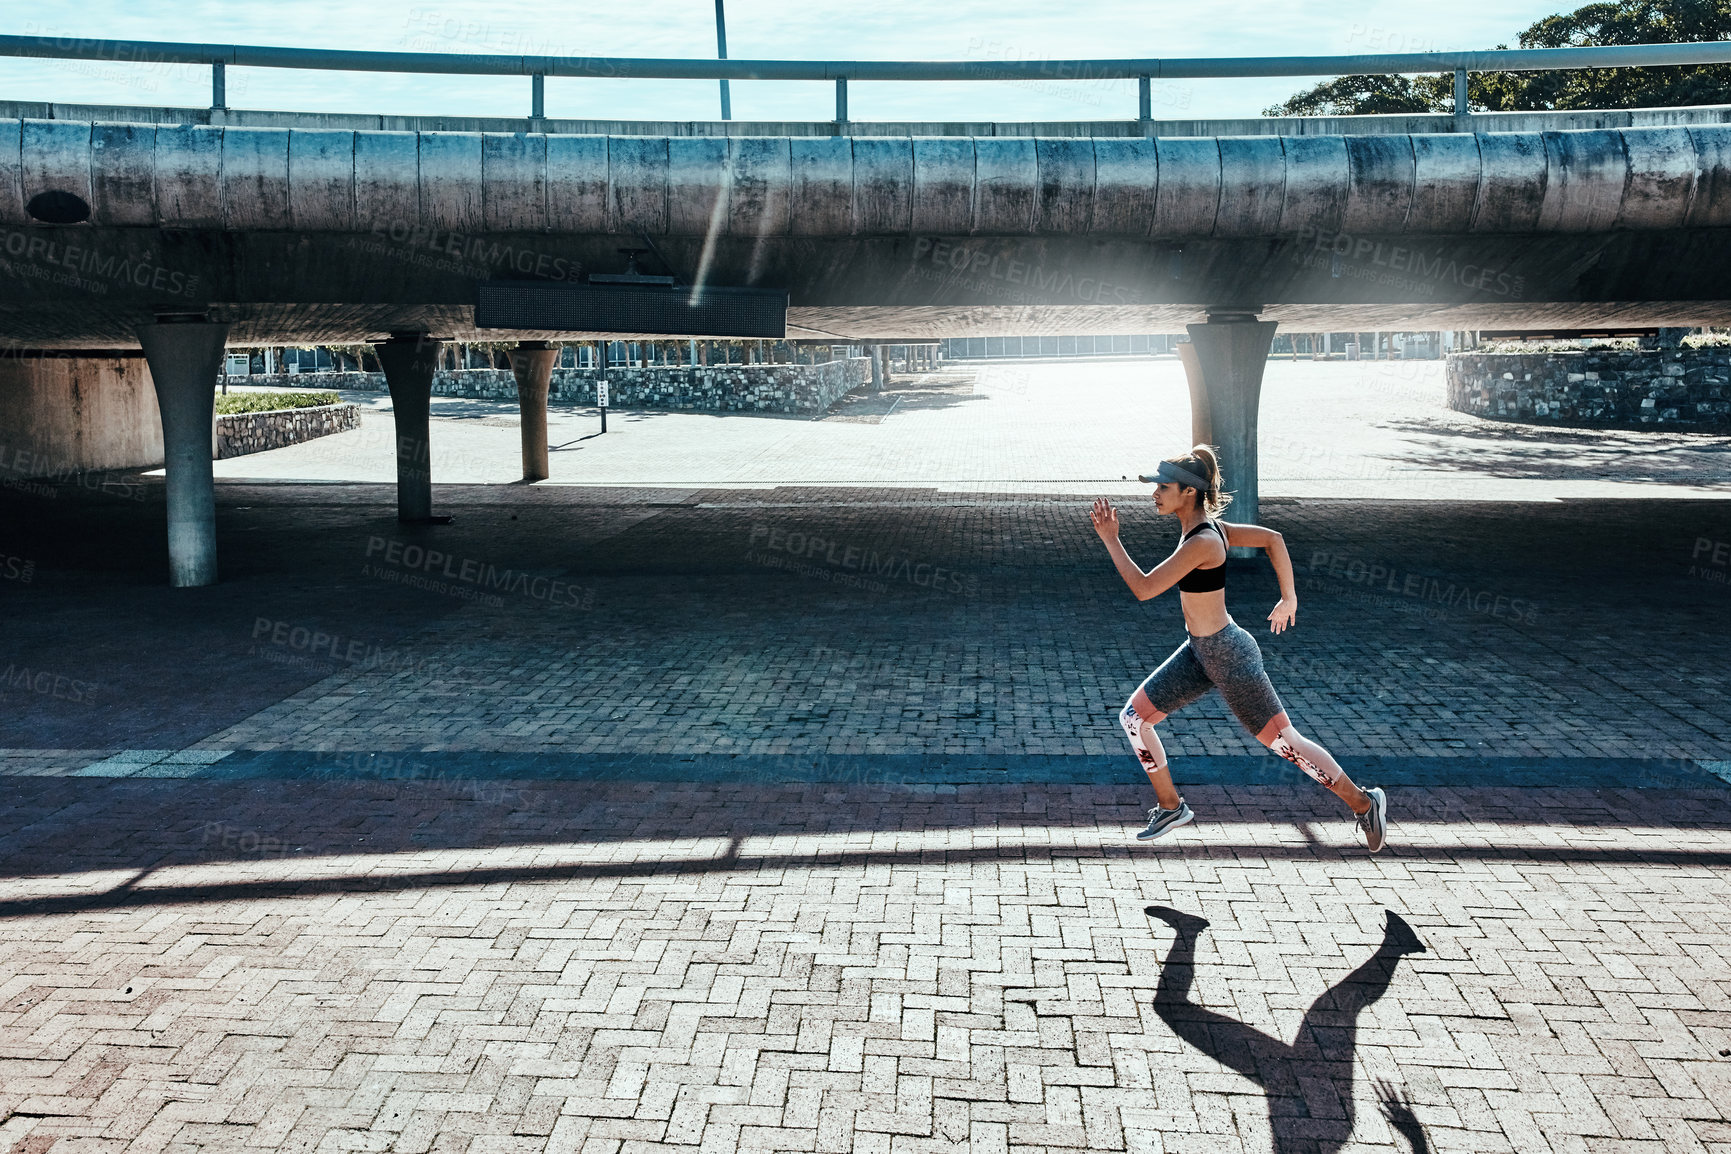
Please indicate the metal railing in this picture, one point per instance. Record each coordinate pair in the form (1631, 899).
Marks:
(220, 56)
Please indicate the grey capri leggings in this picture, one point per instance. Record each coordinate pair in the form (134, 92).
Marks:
(1229, 661)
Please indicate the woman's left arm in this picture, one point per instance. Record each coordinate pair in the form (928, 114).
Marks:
(1271, 542)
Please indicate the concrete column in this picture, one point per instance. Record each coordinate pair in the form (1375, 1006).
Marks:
(880, 368)
(1230, 353)
(532, 365)
(184, 358)
(1201, 427)
(409, 361)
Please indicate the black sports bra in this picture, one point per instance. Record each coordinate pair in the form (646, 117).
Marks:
(1203, 580)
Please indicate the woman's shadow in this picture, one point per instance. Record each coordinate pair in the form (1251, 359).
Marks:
(1308, 1084)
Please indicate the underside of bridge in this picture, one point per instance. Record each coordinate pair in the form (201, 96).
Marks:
(179, 238)
(81, 288)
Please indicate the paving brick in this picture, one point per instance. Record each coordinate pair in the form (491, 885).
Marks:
(1006, 1061)
(423, 958)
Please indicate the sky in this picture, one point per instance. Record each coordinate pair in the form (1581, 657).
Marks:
(815, 29)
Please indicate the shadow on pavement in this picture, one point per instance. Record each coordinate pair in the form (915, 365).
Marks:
(1308, 1083)
(258, 840)
(1536, 453)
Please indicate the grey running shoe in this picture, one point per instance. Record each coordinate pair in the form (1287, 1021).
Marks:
(1374, 821)
(1164, 821)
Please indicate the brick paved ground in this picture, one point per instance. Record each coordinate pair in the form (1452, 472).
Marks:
(708, 622)
(319, 858)
(192, 965)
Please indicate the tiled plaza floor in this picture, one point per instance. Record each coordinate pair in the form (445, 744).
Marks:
(491, 966)
(710, 818)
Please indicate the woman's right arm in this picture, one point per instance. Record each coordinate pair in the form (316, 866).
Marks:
(1150, 584)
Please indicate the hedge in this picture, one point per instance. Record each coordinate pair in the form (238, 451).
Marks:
(269, 402)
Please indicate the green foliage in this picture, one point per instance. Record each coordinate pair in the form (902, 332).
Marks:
(1359, 96)
(1611, 22)
(270, 402)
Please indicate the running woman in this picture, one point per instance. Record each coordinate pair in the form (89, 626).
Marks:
(1217, 654)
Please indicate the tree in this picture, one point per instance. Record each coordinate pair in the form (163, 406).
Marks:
(1611, 22)
(1350, 95)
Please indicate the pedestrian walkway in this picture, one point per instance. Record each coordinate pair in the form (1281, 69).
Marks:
(490, 965)
(818, 622)
(621, 818)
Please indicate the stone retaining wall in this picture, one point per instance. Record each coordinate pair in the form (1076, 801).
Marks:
(716, 388)
(1611, 388)
(238, 434)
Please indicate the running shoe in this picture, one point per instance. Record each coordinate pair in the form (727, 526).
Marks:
(1164, 821)
(1374, 821)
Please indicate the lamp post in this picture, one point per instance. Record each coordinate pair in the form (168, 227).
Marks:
(721, 53)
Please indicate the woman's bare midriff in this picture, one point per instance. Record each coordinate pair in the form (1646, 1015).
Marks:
(1204, 613)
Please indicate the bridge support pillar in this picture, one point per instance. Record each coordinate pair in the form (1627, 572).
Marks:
(1224, 363)
(532, 365)
(409, 361)
(184, 357)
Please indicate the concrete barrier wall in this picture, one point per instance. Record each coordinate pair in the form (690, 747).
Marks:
(457, 186)
(717, 388)
(1175, 99)
(238, 434)
(71, 414)
(1686, 389)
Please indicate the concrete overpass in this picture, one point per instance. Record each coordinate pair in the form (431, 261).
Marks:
(179, 231)
(321, 234)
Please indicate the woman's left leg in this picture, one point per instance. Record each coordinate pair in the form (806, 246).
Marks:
(1370, 805)
(1317, 762)
(1234, 660)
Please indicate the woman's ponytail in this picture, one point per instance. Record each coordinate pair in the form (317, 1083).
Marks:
(1205, 463)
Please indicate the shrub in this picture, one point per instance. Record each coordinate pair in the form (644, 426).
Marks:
(270, 402)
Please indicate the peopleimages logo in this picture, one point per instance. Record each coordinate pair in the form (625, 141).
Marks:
(47, 683)
(34, 473)
(447, 251)
(1380, 575)
(1436, 268)
(472, 577)
(91, 264)
(858, 559)
(1711, 560)
(991, 273)
(305, 647)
